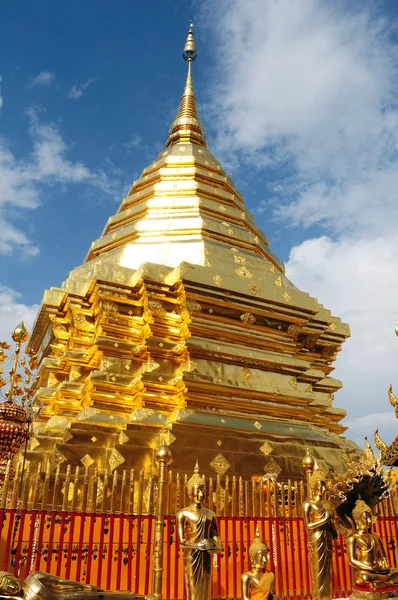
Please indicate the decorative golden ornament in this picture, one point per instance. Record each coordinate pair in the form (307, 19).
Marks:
(266, 448)
(220, 464)
(14, 431)
(244, 272)
(248, 318)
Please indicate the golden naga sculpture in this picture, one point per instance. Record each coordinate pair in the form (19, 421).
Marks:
(319, 523)
(198, 535)
(258, 583)
(367, 556)
(43, 586)
(355, 495)
(388, 454)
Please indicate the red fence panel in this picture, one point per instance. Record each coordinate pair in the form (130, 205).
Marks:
(114, 551)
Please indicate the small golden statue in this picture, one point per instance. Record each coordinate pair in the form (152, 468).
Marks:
(258, 583)
(198, 535)
(367, 556)
(43, 586)
(321, 531)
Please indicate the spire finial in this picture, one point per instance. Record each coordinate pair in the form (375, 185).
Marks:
(187, 127)
(190, 53)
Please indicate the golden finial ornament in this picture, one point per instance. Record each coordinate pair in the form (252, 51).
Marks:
(20, 333)
(308, 461)
(186, 128)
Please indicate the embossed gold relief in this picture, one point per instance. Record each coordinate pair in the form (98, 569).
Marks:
(142, 413)
(181, 414)
(266, 448)
(272, 467)
(244, 272)
(156, 308)
(166, 437)
(240, 260)
(286, 297)
(87, 461)
(86, 413)
(33, 443)
(66, 436)
(218, 279)
(254, 289)
(152, 365)
(123, 438)
(246, 374)
(115, 459)
(220, 464)
(193, 305)
(57, 458)
(278, 281)
(248, 317)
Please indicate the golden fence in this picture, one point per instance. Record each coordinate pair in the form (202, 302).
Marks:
(85, 490)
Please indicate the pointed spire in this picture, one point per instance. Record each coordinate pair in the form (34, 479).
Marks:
(187, 127)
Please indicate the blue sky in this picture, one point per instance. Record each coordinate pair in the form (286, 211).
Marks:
(299, 102)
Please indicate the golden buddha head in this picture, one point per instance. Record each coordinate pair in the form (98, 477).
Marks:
(258, 552)
(318, 480)
(196, 485)
(362, 515)
(9, 585)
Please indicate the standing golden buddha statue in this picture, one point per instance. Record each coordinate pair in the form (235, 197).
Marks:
(198, 535)
(321, 532)
(258, 583)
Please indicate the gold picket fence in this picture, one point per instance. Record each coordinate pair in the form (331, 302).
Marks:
(129, 492)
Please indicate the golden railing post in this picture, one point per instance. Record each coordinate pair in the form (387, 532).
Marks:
(163, 458)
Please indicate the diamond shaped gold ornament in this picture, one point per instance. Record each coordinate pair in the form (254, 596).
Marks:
(115, 459)
(266, 448)
(220, 464)
(87, 461)
(272, 467)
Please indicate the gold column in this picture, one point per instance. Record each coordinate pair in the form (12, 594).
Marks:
(163, 458)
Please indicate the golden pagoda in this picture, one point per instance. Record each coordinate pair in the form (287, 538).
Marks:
(181, 325)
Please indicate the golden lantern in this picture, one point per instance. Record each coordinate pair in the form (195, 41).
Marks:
(15, 411)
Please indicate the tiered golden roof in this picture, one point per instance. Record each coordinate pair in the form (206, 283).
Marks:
(181, 317)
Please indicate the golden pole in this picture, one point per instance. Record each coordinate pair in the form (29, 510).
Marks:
(163, 458)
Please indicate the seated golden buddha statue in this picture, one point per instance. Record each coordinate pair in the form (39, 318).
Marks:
(43, 586)
(367, 556)
(258, 583)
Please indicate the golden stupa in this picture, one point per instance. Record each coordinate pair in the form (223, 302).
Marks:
(181, 325)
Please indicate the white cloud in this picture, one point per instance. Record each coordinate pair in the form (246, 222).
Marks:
(45, 78)
(77, 91)
(133, 143)
(357, 280)
(12, 311)
(310, 86)
(22, 181)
